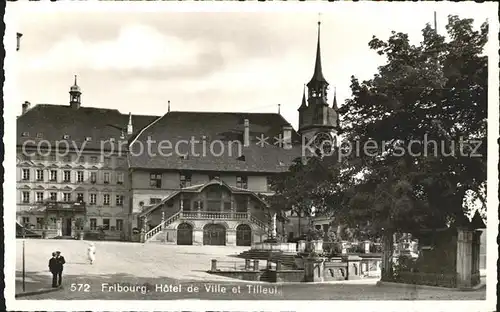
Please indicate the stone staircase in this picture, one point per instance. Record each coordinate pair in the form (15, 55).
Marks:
(157, 234)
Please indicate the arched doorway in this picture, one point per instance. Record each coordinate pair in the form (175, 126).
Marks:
(184, 234)
(243, 235)
(214, 234)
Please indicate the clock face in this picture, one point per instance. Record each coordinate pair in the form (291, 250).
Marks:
(323, 143)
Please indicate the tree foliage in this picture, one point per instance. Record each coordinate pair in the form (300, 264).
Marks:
(407, 168)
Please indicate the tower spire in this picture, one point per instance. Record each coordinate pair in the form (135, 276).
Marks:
(318, 77)
(303, 105)
(75, 95)
(334, 106)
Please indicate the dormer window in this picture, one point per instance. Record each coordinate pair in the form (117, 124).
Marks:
(66, 137)
(25, 134)
(39, 135)
(88, 139)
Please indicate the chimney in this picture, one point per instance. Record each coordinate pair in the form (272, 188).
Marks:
(287, 137)
(246, 134)
(130, 129)
(26, 107)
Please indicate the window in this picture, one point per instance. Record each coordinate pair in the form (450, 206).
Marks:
(26, 197)
(106, 199)
(119, 178)
(155, 180)
(214, 199)
(93, 199)
(67, 176)
(81, 159)
(93, 224)
(79, 176)
(52, 157)
(120, 161)
(67, 158)
(79, 197)
(106, 177)
(53, 175)
(25, 134)
(119, 200)
(185, 179)
(53, 196)
(214, 177)
(153, 200)
(39, 175)
(39, 135)
(186, 204)
(66, 197)
(93, 160)
(241, 204)
(39, 197)
(93, 177)
(88, 139)
(105, 224)
(39, 223)
(26, 220)
(26, 174)
(199, 205)
(119, 224)
(242, 182)
(107, 161)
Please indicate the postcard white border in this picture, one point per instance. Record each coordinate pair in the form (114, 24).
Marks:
(12, 97)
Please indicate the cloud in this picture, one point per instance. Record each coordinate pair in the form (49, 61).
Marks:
(137, 47)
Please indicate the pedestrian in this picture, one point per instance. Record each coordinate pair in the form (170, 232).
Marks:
(60, 262)
(91, 253)
(54, 268)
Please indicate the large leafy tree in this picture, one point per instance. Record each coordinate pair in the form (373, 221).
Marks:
(410, 122)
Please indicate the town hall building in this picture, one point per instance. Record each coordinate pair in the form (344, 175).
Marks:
(187, 178)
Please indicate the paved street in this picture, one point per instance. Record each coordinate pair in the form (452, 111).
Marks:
(167, 272)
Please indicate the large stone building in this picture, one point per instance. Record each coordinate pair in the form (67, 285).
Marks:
(184, 177)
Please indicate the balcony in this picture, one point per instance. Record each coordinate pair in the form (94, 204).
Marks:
(66, 206)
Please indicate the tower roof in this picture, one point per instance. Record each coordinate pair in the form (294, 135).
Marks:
(75, 87)
(318, 77)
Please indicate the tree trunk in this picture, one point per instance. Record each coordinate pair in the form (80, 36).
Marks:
(388, 246)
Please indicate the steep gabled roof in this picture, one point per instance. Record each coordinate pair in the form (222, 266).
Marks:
(53, 122)
(176, 127)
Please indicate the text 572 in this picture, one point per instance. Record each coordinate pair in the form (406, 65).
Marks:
(79, 287)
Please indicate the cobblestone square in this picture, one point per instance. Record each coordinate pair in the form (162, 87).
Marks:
(152, 265)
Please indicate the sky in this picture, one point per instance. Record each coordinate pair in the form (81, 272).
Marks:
(207, 61)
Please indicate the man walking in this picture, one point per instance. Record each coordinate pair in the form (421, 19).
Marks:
(60, 263)
(54, 269)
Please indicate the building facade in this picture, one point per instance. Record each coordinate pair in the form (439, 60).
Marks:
(181, 178)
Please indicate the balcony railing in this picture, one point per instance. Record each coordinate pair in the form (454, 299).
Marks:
(214, 215)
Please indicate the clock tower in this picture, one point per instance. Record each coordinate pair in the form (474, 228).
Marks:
(318, 122)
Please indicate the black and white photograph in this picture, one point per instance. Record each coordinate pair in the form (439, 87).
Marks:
(256, 156)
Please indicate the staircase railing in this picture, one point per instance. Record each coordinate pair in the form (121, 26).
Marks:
(259, 223)
(157, 229)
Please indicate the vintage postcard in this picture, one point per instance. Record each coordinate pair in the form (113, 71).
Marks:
(251, 156)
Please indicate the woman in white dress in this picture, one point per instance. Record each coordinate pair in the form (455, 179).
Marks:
(91, 253)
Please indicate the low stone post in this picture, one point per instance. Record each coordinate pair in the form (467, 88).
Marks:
(464, 258)
(213, 268)
(256, 265)
(314, 268)
(247, 264)
(353, 266)
(367, 246)
(301, 246)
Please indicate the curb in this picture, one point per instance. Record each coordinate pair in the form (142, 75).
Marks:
(415, 286)
(37, 292)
